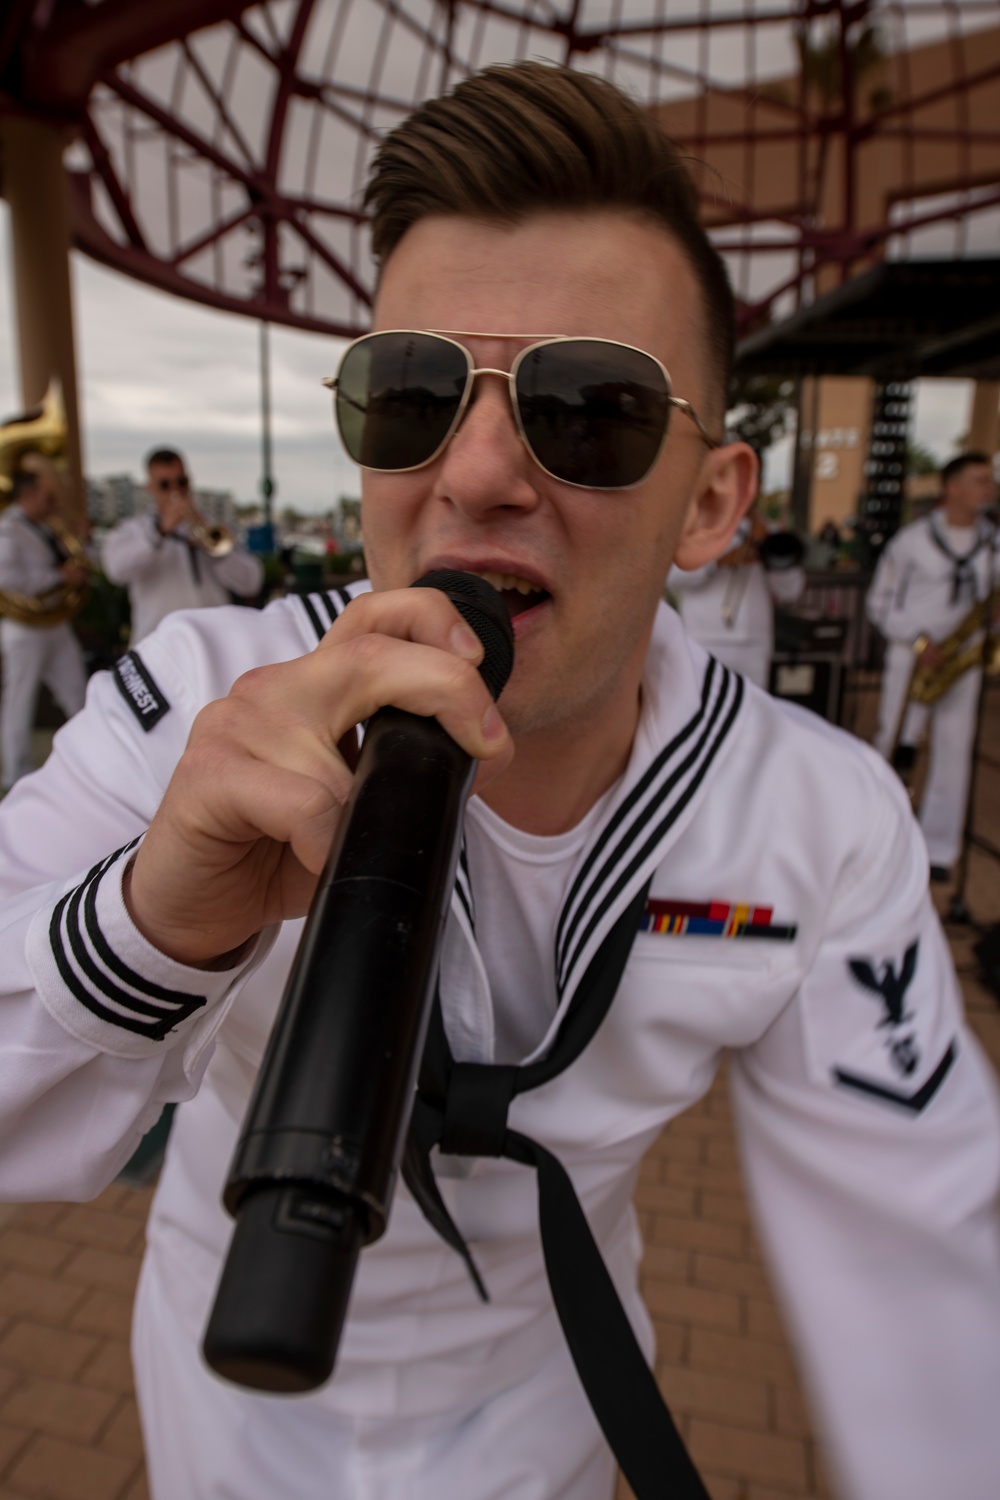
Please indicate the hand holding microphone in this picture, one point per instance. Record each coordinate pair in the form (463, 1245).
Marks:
(315, 1167)
(245, 826)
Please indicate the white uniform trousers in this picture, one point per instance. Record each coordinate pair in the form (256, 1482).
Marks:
(33, 654)
(537, 1441)
(952, 727)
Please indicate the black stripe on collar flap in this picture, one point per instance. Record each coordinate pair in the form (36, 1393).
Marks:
(627, 850)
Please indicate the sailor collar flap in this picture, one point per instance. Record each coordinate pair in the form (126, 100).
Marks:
(691, 704)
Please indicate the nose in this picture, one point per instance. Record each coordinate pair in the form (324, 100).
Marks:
(486, 466)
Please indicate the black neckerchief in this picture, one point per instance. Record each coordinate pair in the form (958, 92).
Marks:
(963, 578)
(462, 1109)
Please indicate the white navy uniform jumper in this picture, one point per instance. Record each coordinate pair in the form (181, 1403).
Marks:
(730, 611)
(779, 886)
(167, 573)
(30, 555)
(927, 579)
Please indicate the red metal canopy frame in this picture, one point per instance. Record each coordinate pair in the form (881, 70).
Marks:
(219, 149)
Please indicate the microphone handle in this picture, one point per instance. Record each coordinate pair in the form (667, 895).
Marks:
(314, 1170)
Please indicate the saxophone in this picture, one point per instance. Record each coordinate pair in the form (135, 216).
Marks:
(928, 684)
(38, 439)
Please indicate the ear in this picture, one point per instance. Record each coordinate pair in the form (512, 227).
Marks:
(726, 489)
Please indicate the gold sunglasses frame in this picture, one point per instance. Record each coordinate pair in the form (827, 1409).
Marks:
(452, 336)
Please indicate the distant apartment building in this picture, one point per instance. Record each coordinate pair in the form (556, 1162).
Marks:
(114, 497)
(216, 506)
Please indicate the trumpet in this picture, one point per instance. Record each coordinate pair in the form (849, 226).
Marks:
(216, 541)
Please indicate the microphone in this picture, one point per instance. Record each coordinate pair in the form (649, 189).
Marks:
(315, 1167)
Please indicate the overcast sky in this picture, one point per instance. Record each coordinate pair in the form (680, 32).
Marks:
(156, 371)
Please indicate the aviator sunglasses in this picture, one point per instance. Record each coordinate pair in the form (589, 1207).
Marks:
(591, 412)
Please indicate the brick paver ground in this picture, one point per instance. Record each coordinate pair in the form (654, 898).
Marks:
(68, 1425)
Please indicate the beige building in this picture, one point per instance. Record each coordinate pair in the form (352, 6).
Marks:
(836, 416)
(917, 130)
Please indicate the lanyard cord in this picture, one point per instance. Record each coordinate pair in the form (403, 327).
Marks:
(462, 1108)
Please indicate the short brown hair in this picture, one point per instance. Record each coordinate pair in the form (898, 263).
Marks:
(961, 463)
(523, 138)
(164, 456)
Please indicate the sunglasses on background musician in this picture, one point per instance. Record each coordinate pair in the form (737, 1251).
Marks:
(592, 413)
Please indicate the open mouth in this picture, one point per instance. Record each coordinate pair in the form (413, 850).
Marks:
(519, 594)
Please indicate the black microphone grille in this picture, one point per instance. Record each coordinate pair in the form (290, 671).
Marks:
(483, 609)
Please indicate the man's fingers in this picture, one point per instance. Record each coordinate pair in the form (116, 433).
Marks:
(319, 698)
(489, 770)
(271, 728)
(228, 792)
(249, 816)
(213, 870)
(424, 616)
(372, 671)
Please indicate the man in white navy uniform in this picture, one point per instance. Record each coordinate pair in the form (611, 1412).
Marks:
(769, 867)
(159, 557)
(928, 578)
(728, 605)
(34, 562)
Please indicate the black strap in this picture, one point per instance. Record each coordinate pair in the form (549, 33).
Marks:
(462, 1108)
(194, 558)
(58, 551)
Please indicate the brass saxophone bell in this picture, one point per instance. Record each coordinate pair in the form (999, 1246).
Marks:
(42, 431)
(37, 440)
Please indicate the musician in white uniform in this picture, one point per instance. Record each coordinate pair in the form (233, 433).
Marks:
(161, 560)
(928, 578)
(758, 874)
(34, 562)
(728, 605)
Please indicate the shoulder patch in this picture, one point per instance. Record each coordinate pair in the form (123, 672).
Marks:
(139, 690)
(891, 1038)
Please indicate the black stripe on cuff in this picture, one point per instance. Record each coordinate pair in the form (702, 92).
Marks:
(91, 986)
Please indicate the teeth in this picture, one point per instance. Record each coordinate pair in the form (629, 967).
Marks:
(503, 581)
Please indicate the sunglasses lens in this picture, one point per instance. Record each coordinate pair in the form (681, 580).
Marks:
(397, 396)
(593, 414)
